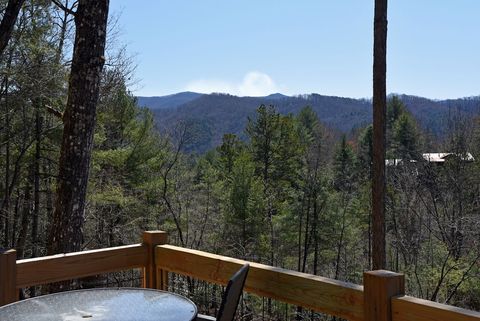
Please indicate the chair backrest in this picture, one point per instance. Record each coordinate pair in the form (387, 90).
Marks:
(232, 295)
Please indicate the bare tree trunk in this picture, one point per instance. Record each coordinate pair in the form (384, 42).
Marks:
(307, 236)
(6, 201)
(299, 245)
(379, 132)
(36, 177)
(16, 217)
(315, 235)
(369, 250)
(340, 241)
(64, 21)
(66, 232)
(48, 196)
(22, 235)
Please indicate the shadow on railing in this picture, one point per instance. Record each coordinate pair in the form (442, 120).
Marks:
(380, 298)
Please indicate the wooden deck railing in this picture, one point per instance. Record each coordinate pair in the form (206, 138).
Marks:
(381, 297)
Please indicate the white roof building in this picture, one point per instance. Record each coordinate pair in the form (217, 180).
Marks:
(442, 157)
(432, 158)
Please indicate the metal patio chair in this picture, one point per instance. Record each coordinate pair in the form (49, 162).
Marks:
(230, 299)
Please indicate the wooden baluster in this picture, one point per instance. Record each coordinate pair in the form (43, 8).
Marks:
(379, 287)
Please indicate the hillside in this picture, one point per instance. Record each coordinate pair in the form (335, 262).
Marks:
(210, 116)
(169, 101)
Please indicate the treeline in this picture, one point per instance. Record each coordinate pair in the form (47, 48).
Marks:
(292, 194)
(213, 115)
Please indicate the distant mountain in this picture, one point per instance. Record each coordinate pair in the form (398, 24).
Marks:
(170, 101)
(208, 117)
(276, 96)
(433, 115)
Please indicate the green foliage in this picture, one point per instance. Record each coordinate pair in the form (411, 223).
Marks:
(264, 133)
(308, 124)
(244, 204)
(405, 139)
(365, 152)
(402, 132)
(344, 167)
(395, 108)
(228, 151)
(125, 160)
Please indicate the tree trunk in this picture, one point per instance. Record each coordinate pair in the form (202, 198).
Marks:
(22, 235)
(6, 201)
(36, 177)
(299, 246)
(8, 22)
(315, 234)
(307, 236)
(16, 217)
(66, 232)
(379, 130)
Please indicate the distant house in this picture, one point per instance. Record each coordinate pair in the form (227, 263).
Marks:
(442, 157)
(438, 158)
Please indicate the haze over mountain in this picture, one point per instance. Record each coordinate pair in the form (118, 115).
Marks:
(210, 116)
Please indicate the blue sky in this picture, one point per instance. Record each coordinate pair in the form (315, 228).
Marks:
(248, 47)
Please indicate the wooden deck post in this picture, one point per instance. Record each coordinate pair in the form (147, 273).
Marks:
(379, 287)
(151, 277)
(8, 277)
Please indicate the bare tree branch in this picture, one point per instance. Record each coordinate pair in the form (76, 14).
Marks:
(64, 8)
(54, 112)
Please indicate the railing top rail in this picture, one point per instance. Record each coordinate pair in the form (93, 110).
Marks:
(406, 308)
(235, 261)
(321, 294)
(67, 266)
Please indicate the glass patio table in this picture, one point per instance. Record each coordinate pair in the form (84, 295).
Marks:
(110, 304)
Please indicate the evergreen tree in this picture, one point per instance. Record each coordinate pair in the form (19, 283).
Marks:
(395, 108)
(365, 152)
(264, 133)
(402, 133)
(344, 167)
(243, 221)
(345, 185)
(228, 151)
(276, 149)
(124, 164)
(405, 139)
(308, 120)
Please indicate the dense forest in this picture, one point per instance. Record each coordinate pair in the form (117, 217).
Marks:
(210, 116)
(290, 192)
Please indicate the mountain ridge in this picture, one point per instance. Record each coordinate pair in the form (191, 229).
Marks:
(168, 101)
(210, 116)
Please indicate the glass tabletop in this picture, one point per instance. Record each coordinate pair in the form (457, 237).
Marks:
(119, 304)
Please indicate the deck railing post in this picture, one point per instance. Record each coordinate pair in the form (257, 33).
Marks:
(379, 287)
(8, 277)
(151, 277)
